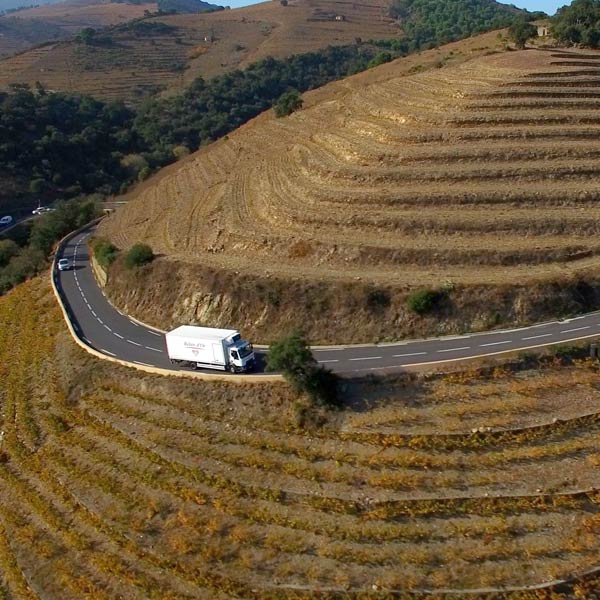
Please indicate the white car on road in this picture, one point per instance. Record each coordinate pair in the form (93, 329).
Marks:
(64, 264)
(40, 210)
(4, 221)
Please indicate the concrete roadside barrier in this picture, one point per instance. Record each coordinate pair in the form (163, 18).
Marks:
(230, 378)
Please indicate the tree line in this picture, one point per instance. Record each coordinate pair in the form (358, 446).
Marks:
(578, 23)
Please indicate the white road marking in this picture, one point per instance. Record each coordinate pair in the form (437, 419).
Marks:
(134, 343)
(496, 343)
(154, 333)
(100, 320)
(154, 349)
(107, 327)
(409, 354)
(136, 324)
(92, 311)
(366, 358)
(328, 361)
(455, 349)
(118, 335)
(535, 337)
(137, 362)
(86, 340)
(575, 329)
(107, 352)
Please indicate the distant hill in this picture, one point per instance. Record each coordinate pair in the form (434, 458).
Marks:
(187, 6)
(22, 29)
(13, 4)
(133, 64)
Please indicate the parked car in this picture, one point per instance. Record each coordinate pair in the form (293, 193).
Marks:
(64, 264)
(4, 221)
(40, 210)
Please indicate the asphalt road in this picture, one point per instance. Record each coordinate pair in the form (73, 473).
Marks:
(109, 331)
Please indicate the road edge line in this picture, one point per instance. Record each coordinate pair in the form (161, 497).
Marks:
(230, 378)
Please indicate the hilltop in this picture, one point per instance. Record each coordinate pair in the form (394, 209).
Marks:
(196, 45)
(22, 29)
(169, 52)
(472, 180)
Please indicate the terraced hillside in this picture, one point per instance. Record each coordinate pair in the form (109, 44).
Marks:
(115, 484)
(201, 45)
(25, 28)
(479, 177)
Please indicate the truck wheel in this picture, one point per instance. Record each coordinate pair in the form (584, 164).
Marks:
(232, 369)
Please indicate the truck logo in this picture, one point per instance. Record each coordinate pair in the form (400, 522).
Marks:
(193, 345)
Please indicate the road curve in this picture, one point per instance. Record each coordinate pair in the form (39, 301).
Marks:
(103, 327)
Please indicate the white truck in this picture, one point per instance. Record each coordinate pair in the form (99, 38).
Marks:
(209, 348)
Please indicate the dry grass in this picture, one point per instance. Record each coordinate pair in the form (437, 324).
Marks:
(34, 26)
(241, 36)
(116, 484)
(453, 176)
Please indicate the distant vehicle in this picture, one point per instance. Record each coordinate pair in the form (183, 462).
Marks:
(64, 264)
(4, 221)
(209, 348)
(40, 210)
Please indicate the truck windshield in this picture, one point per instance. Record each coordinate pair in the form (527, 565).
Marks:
(245, 350)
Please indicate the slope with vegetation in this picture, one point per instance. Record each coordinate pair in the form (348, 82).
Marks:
(130, 66)
(474, 181)
(115, 484)
(61, 145)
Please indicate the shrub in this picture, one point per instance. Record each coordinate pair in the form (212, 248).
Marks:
(293, 357)
(567, 352)
(104, 252)
(378, 300)
(424, 300)
(138, 255)
(8, 249)
(381, 58)
(287, 103)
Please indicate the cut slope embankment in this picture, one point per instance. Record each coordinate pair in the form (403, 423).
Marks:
(479, 177)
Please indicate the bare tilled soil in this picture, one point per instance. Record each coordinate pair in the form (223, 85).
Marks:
(462, 177)
(117, 484)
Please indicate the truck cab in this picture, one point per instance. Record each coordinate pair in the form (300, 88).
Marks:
(241, 356)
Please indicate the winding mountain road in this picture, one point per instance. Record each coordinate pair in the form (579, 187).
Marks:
(106, 329)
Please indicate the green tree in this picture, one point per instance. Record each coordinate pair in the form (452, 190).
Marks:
(86, 36)
(292, 356)
(36, 186)
(578, 23)
(521, 31)
(138, 255)
(382, 57)
(288, 103)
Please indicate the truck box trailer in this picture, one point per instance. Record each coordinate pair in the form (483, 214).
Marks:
(209, 348)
